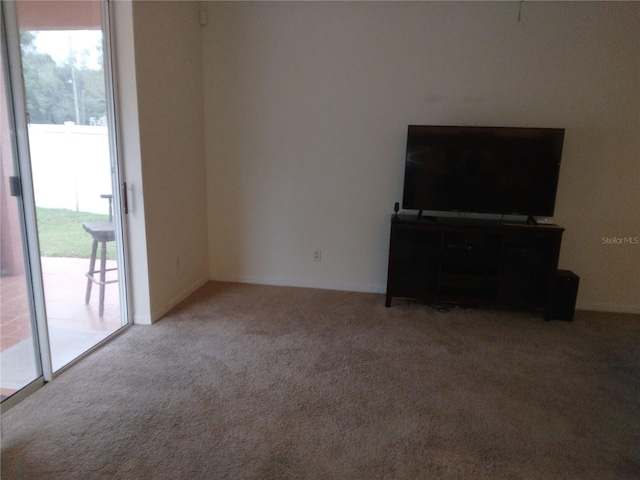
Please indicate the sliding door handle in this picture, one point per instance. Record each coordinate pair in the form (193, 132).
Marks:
(15, 187)
(125, 201)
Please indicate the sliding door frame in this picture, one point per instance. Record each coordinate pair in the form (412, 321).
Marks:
(17, 108)
(117, 166)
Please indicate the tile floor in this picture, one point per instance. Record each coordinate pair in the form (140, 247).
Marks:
(15, 322)
(73, 326)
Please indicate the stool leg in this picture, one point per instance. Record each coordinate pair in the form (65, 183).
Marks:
(103, 275)
(92, 269)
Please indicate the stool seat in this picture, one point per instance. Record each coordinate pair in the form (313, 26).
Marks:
(101, 232)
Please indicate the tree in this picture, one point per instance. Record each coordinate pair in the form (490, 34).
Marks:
(50, 86)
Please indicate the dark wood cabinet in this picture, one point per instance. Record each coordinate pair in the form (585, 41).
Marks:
(472, 263)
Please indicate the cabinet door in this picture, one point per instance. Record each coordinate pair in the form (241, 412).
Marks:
(528, 264)
(413, 262)
(470, 263)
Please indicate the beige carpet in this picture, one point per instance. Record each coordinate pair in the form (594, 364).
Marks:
(256, 382)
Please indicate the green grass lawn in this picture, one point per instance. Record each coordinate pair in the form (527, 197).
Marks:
(61, 233)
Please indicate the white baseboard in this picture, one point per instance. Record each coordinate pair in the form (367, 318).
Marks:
(352, 287)
(175, 300)
(603, 307)
(290, 282)
(142, 320)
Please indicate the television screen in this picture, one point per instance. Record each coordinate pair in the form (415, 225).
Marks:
(498, 170)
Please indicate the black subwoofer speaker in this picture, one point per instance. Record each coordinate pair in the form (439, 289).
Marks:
(564, 291)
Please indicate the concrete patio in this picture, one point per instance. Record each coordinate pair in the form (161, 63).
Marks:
(73, 326)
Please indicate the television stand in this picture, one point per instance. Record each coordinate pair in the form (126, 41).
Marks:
(473, 264)
(427, 218)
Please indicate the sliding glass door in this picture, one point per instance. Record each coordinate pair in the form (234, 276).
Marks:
(20, 358)
(68, 176)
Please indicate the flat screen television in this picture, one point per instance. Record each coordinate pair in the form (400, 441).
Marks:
(489, 170)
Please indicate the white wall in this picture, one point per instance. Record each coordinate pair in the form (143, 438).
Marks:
(306, 112)
(129, 145)
(168, 69)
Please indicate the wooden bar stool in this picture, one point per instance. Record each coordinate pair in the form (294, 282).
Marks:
(102, 233)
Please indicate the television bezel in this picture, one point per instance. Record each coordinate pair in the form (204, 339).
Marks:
(556, 133)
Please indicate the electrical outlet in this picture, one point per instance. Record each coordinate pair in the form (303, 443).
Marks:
(317, 255)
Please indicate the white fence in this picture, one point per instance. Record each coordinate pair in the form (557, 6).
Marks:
(70, 167)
